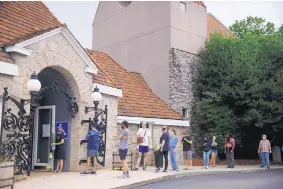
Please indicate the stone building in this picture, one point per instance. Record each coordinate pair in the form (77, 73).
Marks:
(160, 40)
(33, 40)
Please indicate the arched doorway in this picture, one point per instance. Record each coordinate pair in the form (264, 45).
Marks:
(52, 112)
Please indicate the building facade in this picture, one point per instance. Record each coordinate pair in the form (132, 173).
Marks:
(43, 45)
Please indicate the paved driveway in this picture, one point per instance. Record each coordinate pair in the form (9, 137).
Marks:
(252, 180)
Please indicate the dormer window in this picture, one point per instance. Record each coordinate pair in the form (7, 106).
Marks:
(182, 6)
(186, 113)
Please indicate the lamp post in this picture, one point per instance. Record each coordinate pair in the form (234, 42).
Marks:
(18, 139)
(34, 87)
(100, 125)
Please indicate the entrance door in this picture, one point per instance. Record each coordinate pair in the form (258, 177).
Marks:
(44, 135)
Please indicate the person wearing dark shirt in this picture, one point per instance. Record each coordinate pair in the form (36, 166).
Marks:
(59, 153)
(187, 150)
(206, 152)
(164, 141)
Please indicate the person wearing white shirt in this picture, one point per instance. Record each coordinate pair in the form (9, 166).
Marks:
(143, 136)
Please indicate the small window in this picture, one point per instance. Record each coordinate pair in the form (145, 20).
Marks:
(186, 113)
(125, 3)
(182, 6)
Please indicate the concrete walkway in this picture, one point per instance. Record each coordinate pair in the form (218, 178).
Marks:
(108, 179)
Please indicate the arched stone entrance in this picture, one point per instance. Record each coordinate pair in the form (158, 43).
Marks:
(56, 108)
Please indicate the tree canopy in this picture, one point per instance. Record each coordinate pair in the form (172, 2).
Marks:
(240, 81)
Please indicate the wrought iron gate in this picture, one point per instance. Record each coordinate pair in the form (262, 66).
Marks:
(16, 137)
(100, 123)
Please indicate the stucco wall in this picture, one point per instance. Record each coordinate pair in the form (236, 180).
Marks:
(145, 32)
(57, 53)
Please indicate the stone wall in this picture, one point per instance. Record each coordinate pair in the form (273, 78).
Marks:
(156, 132)
(182, 70)
(57, 53)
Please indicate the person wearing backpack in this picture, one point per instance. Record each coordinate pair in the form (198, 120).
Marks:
(206, 152)
(229, 150)
(92, 139)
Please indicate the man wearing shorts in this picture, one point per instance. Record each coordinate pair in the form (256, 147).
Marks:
(145, 134)
(187, 150)
(123, 148)
(92, 139)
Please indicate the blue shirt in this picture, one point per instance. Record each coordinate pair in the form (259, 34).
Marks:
(124, 141)
(92, 139)
(173, 141)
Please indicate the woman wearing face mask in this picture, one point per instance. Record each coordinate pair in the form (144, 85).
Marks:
(59, 153)
(173, 152)
(213, 152)
(206, 152)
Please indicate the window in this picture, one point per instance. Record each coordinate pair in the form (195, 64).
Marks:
(186, 113)
(182, 6)
(125, 3)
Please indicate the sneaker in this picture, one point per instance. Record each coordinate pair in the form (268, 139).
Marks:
(84, 173)
(185, 169)
(157, 170)
(261, 166)
(136, 169)
(164, 171)
(93, 172)
(123, 176)
(177, 169)
(268, 168)
(206, 167)
(229, 167)
(144, 168)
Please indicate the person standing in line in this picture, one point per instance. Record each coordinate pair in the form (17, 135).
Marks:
(206, 152)
(187, 150)
(143, 136)
(229, 150)
(213, 152)
(264, 150)
(92, 139)
(59, 153)
(123, 148)
(173, 143)
(164, 141)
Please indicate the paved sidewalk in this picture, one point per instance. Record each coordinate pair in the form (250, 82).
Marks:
(108, 179)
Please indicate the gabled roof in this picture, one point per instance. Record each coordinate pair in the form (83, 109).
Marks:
(137, 100)
(141, 79)
(214, 25)
(20, 19)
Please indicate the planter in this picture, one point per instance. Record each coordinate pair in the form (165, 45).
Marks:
(7, 174)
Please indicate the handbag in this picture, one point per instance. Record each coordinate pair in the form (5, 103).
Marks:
(140, 139)
(157, 147)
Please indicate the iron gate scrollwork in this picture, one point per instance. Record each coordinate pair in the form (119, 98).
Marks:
(99, 122)
(16, 136)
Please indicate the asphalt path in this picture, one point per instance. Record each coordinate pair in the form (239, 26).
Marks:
(251, 180)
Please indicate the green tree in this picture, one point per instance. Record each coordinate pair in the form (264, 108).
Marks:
(253, 26)
(240, 86)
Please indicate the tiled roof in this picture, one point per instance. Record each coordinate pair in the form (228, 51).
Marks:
(101, 77)
(141, 79)
(19, 19)
(214, 25)
(137, 100)
(200, 3)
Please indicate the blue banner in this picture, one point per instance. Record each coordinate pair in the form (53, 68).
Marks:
(65, 126)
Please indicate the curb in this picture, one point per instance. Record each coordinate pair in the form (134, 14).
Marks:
(181, 175)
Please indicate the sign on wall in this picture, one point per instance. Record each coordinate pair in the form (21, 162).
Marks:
(65, 126)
